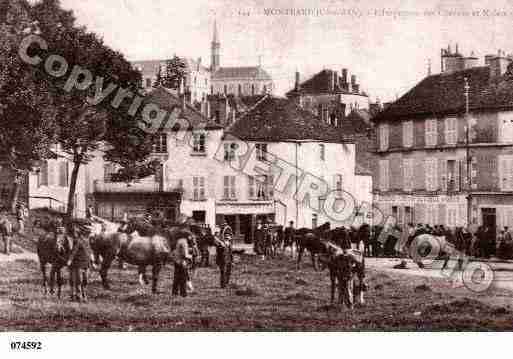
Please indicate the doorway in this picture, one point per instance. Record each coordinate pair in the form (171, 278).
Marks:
(489, 217)
(199, 216)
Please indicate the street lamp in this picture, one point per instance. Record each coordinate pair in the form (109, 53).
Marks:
(468, 157)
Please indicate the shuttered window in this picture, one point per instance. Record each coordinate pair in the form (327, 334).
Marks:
(506, 173)
(384, 178)
(229, 187)
(431, 174)
(431, 132)
(451, 134)
(43, 175)
(408, 133)
(383, 137)
(408, 174)
(198, 185)
(63, 174)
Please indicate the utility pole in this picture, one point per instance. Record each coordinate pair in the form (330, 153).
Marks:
(468, 157)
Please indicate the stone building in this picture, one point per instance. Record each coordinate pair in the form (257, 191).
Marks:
(420, 171)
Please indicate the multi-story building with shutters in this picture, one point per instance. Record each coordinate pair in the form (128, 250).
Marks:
(424, 149)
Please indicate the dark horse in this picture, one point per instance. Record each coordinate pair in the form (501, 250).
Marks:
(310, 239)
(150, 248)
(53, 248)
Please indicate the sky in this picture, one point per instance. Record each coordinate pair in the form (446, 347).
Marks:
(387, 44)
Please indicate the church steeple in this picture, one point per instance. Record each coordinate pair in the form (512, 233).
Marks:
(215, 60)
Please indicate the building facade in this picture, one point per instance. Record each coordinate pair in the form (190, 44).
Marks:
(432, 154)
(201, 80)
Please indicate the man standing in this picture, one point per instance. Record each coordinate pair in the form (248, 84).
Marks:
(289, 237)
(182, 259)
(6, 231)
(78, 263)
(224, 256)
(21, 215)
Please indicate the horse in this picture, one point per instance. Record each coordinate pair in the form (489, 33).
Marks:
(52, 249)
(343, 265)
(310, 239)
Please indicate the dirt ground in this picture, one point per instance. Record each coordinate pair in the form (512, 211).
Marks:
(266, 295)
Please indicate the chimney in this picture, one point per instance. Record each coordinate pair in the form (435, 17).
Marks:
(336, 85)
(470, 61)
(451, 62)
(344, 77)
(331, 81)
(498, 64)
(354, 86)
(296, 87)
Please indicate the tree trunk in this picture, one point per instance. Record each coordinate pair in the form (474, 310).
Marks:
(72, 185)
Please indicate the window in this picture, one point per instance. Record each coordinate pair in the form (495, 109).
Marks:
(261, 151)
(408, 133)
(324, 113)
(314, 220)
(431, 174)
(225, 89)
(384, 179)
(261, 187)
(239, 89)
(229, 187)
(452, 172)
(432, 214)
(322, 152)
(407, 174)
(63, 174)
(337, 182)
(43, 175)
(198, 184)
(109, 169)
(148, 82)
(383, 137)
(229, 151)
(160, 143)
(451, 136)
(452, 215)
(506, 173)
(217, 117)
(431, 132)
(252, 89)
(198, 143)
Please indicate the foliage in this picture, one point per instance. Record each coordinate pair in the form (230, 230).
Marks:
(174, 72)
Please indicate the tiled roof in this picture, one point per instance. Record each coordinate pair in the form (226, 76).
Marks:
(168, 101)
(321, 83)
(444, 94)
(254, 72)
(276, 119)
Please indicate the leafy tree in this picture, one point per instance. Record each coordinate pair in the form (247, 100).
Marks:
(175, 71)
(87, 125)
(27, 112)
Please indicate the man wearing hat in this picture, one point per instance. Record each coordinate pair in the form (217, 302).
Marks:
(224, 255)
(78, 263)
(6, 230)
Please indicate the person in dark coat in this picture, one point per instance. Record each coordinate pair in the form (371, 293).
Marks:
(78, 263)
(6, 231)
(289, 236)
(224, 257)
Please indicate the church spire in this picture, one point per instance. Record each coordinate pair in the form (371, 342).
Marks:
(215, 39)
(215, 56)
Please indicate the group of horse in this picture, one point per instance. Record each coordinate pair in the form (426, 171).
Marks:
(138, 244)
(153, 246)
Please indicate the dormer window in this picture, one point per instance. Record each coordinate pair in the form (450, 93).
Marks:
(160, 143)
(198, 144)
(261, 151)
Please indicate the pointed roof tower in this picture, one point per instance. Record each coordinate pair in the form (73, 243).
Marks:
(215, 39)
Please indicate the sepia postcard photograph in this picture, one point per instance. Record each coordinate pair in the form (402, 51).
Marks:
(255, 166)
